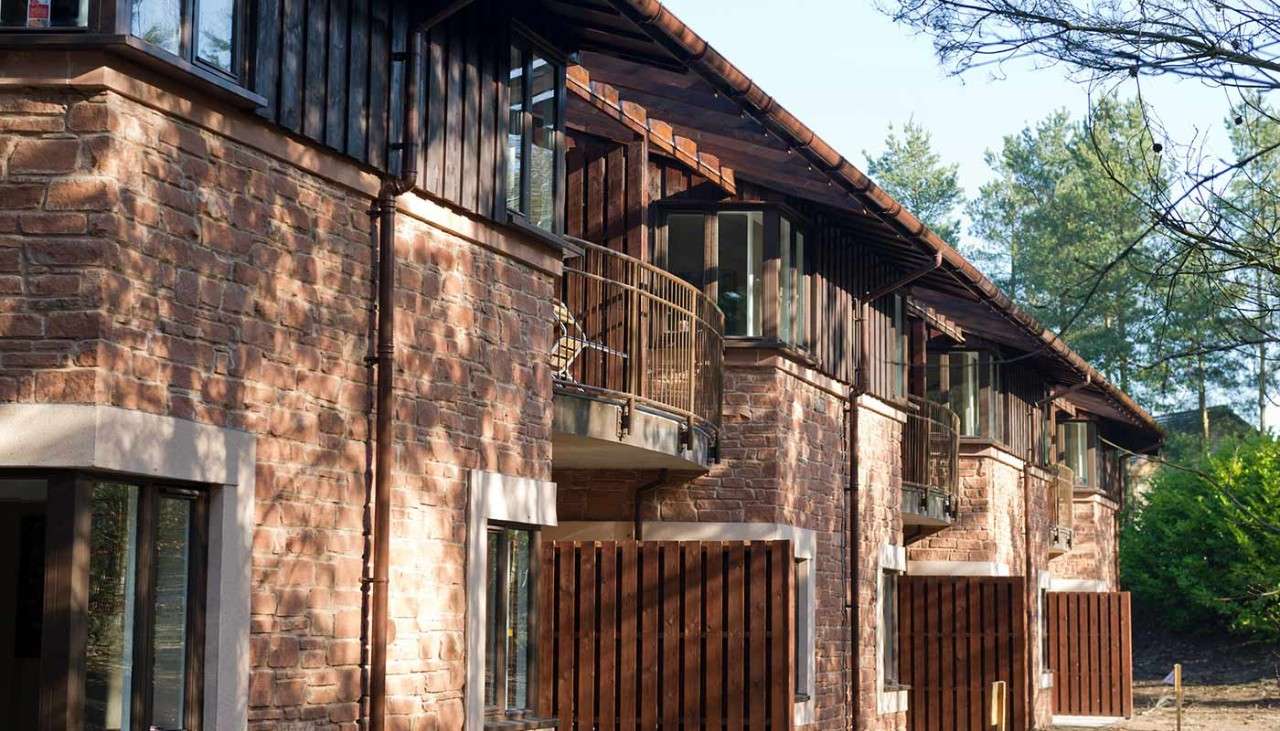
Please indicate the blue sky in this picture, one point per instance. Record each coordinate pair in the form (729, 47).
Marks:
(848, 71)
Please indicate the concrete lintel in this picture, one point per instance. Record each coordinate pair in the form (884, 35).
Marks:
(957, 568)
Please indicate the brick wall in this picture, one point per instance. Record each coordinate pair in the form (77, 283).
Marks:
(153, 265)
(988, 524)
(1094, 549)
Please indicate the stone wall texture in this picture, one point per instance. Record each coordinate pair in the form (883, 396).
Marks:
(153, 265)
(1093, 554)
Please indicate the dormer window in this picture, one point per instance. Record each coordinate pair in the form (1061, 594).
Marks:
(535, 141)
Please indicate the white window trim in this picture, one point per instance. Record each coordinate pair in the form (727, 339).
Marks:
(111, 439)
(494, 497)
(803, 546)
(957, 568)
(1079, 585)
(892, 558)
(1045, 583)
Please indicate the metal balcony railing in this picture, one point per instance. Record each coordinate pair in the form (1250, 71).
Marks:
(931, 447)
(635, 333)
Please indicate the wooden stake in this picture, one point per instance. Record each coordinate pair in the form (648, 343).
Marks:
(1177, 691)
(999, 702)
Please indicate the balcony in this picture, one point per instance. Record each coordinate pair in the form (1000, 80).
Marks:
(930, 467)
(637, 365)
(1061, 534)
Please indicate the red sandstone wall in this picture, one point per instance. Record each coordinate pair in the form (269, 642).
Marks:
(1093, 554)
(152, 265)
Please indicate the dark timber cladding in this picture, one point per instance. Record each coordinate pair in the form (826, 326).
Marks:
(328, 72)
(605, 193)
(690, 634)
(1091, 653)
(958, 635)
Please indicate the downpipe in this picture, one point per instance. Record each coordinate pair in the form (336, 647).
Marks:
(384, 212)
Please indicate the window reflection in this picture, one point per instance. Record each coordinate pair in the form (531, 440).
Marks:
(112, 567)
(169, 636)
(741, 287)
(686, 248)
(158, 22)
(542, 151)
(214, 29)
(515, 129)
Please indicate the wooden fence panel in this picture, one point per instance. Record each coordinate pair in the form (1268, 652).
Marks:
(1091, 653)
(670, 636)
(957, 636)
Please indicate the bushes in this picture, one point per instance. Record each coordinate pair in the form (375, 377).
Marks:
(1202, 554)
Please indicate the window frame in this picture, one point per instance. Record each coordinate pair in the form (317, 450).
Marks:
(498, 623)
(530, 44)
(189, 14)
(785, 293)
(990, 398)
(1091, 452)
(68, 535)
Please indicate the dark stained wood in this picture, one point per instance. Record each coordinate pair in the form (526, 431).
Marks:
(715, 635)
(357, 132)
(471, 113)
(335, 118)
(315, 69)
(629, 638)
(691, 635)
(547, 629)
(960, 634)
(454, 110)
(1091, 653)
(607, 668)
(587, 597)
(266, 66)
(379, 82)
(651, 638)
(291, 64)
(437, 102)
(669, 670)
(566, 660)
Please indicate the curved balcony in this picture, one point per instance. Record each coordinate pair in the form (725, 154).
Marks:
(637, 366)
(930, 466)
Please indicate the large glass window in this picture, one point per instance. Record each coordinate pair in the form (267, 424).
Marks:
(534, 137)
(202, 32)
(741, 261)
(792, 318)
(509, 587)
(686, 247)
(889, 628)
(44, 13)
(1076, 444)
(143, 636)
(968, 382)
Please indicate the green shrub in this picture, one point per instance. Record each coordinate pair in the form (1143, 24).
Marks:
(1203, 554)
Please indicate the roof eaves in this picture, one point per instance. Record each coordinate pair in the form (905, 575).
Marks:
(718, 71)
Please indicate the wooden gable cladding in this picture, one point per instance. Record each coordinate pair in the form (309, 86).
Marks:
(328, 72)
(605, 193)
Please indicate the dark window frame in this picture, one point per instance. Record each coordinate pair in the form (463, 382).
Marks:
(530, 44)
(774, 309)
(497, 624)
(1091, 452)
(65, 616)
(991, 398)
(189, 14)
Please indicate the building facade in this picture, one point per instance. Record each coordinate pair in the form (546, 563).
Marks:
(361, 364)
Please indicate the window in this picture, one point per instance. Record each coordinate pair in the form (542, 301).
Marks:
(535, 144)
(899, 354)
(686, 248)
(203, 32)
(44, 13)
(1076, 444)
(741, 261)
(143, 633)
(508, 587)
(792, 319)
(889, 629)
(968, 382)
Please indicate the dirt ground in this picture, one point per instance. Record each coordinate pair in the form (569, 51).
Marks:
(1228, 684)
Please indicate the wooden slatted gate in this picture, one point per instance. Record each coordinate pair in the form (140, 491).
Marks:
(958, 635)
(667, 635)
(1091, 653)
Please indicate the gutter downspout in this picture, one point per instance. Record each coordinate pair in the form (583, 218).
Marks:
(385, 211)
(852, 508)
